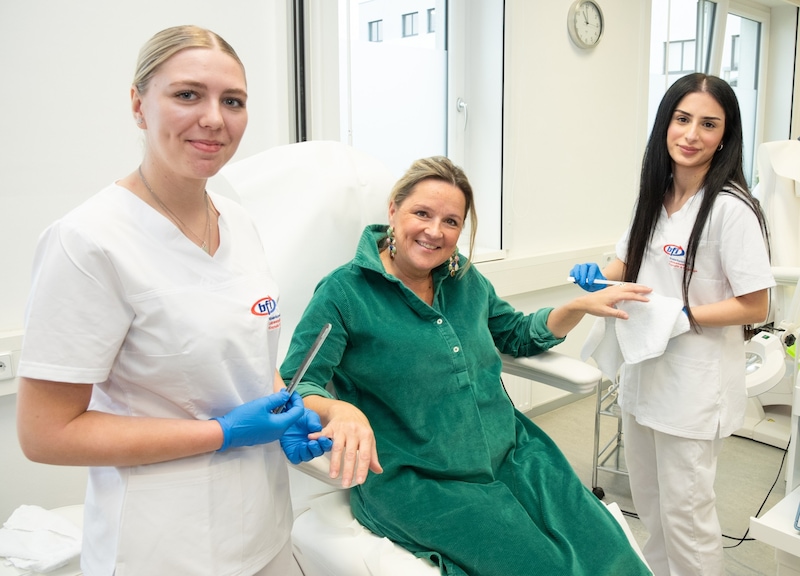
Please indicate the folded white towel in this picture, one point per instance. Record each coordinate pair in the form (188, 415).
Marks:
(649, 327)
(601, 344)
(644, 335)
(39, 540)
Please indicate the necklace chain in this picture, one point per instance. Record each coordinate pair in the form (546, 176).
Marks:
(204, 244)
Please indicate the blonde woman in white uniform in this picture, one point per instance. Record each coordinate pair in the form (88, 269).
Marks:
(150, 343)
(698, 235)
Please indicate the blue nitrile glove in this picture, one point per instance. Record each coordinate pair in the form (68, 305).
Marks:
(585, 275)
(254, 423)
(295, 443)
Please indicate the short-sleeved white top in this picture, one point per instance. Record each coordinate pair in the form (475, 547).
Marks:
(121, 299)
(697, 387)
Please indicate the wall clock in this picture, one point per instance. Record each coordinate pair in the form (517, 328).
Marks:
(585, 23)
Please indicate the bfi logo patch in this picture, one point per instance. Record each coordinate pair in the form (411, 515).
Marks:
(674, 250)
(264, 307)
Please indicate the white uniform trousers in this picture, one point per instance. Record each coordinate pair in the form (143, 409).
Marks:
(672, 485)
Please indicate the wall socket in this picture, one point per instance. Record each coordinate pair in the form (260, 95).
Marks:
(607, 258)
(6, 368)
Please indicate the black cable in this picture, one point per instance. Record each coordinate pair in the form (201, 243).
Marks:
(760, 508)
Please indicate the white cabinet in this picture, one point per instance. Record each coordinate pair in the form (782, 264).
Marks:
(776, 527)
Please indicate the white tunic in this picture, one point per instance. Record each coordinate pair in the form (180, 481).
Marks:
(697, 387)
(123, 300)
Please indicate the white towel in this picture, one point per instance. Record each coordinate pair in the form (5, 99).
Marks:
(39, 540)
(644, 335)
(601, 344)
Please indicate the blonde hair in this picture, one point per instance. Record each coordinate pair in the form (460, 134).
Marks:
(439, 168)
(168, 42)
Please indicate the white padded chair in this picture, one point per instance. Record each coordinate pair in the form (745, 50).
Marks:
(311, 201)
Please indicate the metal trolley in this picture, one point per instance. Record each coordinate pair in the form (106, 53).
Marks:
(611, 457)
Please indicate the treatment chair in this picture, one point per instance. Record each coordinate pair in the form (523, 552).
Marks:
(770, 369)
(311, 201)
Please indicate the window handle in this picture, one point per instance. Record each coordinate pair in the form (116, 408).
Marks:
(461, 106)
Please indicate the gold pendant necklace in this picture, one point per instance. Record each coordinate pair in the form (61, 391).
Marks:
(203, 243)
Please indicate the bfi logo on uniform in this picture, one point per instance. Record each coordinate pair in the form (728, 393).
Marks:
(674, 250)
(264, 307)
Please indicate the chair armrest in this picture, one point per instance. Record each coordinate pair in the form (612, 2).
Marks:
(319, 469)
(555, 369)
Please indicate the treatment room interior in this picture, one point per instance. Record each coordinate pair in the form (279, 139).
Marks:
(574, 126)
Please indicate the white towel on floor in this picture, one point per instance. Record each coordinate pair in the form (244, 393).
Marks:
(644, 335)
(39, 540)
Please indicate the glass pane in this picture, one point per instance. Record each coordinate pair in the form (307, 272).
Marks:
(689, 55)
(740, 57)
(673, 41)
(398, 86)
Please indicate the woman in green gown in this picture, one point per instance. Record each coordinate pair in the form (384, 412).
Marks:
(459, 476)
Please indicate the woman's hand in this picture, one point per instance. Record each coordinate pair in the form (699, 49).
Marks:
(600, 303)
(354, 452)
(584, 276)
(603, 303)
(296, 443)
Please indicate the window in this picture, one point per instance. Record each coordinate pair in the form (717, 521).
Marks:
(410, 88)
(376, 31)
(679, 56)
(725, 45)
(741, 55)
(431, 20)
(410, 26)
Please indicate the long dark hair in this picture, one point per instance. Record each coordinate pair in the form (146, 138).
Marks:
(724, 176)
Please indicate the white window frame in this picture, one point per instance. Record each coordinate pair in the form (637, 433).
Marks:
(759, 14)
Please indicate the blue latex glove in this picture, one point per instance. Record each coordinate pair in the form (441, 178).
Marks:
(295, 443)
(585, 274)
(254, 423)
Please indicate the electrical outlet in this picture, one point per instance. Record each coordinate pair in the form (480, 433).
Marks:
(6, 369)
(607, 259)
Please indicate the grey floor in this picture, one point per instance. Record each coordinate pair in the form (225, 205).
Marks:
(745, 474)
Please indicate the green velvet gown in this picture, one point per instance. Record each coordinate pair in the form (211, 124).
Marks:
(468, 481)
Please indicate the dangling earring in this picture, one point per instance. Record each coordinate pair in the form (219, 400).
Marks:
(720, 147)
(390, 241)
(452, 265)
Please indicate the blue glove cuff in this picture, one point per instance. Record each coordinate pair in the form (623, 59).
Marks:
(226, 441)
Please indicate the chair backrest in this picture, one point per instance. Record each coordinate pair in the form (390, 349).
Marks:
(779, 192)
(310, 202)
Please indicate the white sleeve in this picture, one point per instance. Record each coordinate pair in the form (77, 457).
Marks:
(77, 314)
(743, 250)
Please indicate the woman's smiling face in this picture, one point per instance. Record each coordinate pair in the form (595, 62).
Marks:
(427, 226)
(194, 110)
(695, 132)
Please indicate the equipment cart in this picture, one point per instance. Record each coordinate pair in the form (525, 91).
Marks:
(611, 457)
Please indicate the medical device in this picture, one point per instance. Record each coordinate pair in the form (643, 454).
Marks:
(306, 363)
(600, 281)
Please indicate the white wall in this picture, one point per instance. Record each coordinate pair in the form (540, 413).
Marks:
(575, 123)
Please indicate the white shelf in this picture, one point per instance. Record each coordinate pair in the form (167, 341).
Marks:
(776, 527)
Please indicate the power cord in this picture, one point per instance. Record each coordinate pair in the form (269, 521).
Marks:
(744, 538)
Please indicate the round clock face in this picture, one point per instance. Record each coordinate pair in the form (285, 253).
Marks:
(585, 23)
